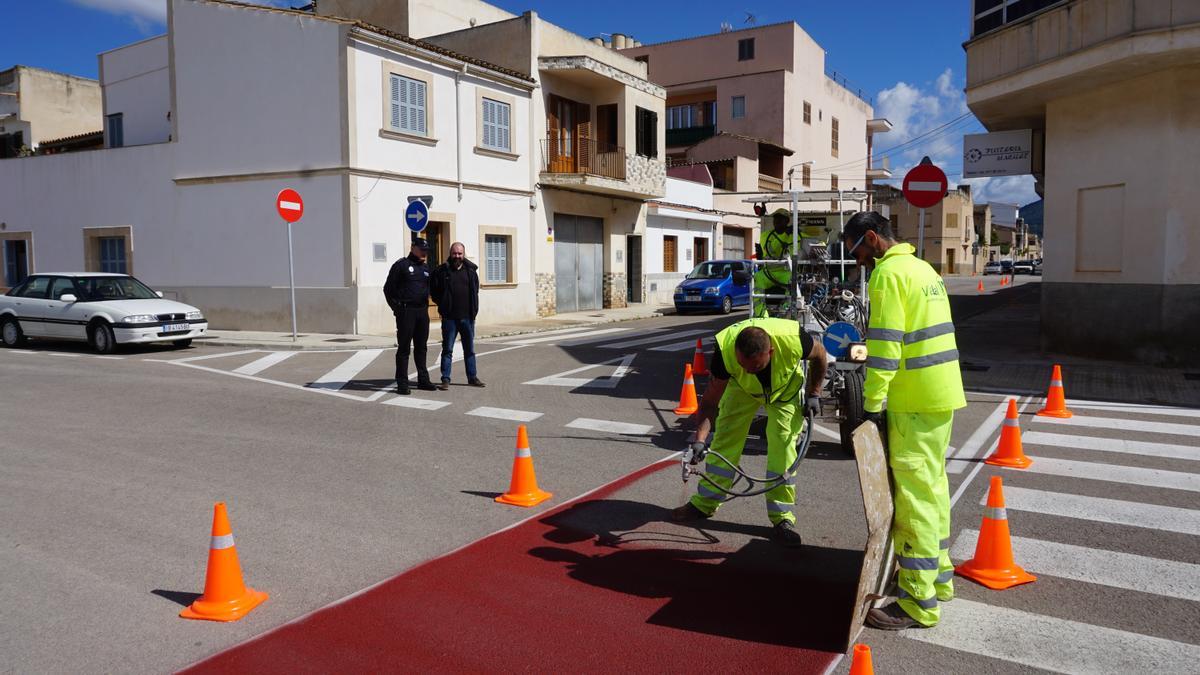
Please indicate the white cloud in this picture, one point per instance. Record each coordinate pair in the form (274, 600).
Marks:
(1004, 189)
(151, 15)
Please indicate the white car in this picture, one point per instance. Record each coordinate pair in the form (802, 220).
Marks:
(102, 309)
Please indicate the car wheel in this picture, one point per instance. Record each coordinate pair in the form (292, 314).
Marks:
(726, 305)
(184, 343)
(851, 404)
(10, 333)
(101, 337)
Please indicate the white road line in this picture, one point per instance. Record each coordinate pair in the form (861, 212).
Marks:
(110, 358)
(1096, 566)
(1135, 408)
(656, 338)
(74, 356)
(600, 381)
(258, 365)
(264, 380)
(594, 336)
(833, 435)
(391, 386)
(1053, 644)
(505, 414)
(968, 454)
(339, 377)
(210, 356)
(1098, 509)
(544, 336)
(1022, 403)
(1111, 445)
(610, 427)
(1125, 425)
(680, 346)
(418, 403)
(1133, 475)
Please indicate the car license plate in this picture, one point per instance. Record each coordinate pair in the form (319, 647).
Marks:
(693, 298)
(176, 327)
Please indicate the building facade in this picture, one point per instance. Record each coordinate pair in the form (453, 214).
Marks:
(682, 231)
(39, 105)
(1114, 86)
(951, 236)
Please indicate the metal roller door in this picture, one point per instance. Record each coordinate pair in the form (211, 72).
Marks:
(578, 262)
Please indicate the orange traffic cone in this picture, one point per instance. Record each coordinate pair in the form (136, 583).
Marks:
(980, 286)
(861, 663)
(687, 397)
(225, 597)
(699, 367)
(1056, 399)
(523, 488)
(1003, 281)
(1009, 451)
(993, 564)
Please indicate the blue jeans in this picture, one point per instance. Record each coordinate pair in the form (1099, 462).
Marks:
(465, 329)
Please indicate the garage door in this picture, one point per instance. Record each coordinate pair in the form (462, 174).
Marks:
(735, 243)
(578, 262)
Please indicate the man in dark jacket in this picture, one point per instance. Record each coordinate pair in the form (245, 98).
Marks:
(407, 293)
(455, 288)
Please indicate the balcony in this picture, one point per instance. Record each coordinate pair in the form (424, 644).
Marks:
(689, 136)
(589, 165)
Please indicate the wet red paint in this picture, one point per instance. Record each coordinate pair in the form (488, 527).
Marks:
(564, 594)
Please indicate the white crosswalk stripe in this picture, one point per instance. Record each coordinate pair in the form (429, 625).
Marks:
(680, 346)
(556, 336)
(339, 377)
(258, 365)
(1099, 509)
(505, 414)
(1035, 438)
(1132, 408)
(652, 339)
(1132, 475)
(1126, 425)
(610, 427)
(418, 403)
(1096, 566)
(1054, 644)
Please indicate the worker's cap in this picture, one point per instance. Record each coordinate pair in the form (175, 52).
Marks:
(420, 243)
(781, 215)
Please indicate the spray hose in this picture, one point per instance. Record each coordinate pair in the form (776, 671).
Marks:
(698, 452)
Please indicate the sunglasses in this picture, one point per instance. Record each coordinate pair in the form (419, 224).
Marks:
(860, 240)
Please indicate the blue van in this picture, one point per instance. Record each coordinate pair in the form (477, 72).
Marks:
(710, 286)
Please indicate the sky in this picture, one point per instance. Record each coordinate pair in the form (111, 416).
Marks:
(908, 62)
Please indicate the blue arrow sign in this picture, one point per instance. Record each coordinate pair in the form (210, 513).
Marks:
(838, 338)
(416, 216)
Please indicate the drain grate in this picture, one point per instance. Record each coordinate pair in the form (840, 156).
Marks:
(343, 340)
(1191, 376)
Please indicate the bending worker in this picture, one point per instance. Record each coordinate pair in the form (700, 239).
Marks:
(755, 363)
(913, 364)
(776, 245)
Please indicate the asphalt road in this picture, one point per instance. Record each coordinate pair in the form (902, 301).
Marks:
(334, 484)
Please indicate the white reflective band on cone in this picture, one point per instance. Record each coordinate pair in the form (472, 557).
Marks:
(995, 513)
(1055, 383)
(524, 452)
(221, 541)
(1012, 423)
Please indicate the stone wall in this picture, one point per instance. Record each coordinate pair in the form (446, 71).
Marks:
(646, 175)
(615, 290)
(545, 294)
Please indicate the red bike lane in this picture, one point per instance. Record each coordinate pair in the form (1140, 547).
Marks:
(596, 584)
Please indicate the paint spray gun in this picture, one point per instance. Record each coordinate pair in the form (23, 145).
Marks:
(690, 463)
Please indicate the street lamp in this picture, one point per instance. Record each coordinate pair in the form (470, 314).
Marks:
(793, 170)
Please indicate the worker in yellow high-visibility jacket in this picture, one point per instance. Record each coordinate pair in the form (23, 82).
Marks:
(912, 363)
(776, 245)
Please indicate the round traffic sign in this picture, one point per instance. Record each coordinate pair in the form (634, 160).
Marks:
(924, 185)
(416, 216)
(838, 338)
(289, 204)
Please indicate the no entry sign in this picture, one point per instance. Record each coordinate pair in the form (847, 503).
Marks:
(290, 205)
(924, 185)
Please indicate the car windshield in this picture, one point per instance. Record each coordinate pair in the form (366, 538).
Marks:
(710, 270)
(114, 288)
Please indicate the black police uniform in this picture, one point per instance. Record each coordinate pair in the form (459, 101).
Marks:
(407, 293)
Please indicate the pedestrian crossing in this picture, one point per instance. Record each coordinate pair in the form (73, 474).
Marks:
(1104, 474)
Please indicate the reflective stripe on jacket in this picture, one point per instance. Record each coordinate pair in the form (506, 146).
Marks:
(913, 357)
(787, 375)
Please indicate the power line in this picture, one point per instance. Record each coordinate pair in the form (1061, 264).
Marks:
(900, 146)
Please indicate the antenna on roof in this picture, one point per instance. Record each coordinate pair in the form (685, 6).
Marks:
(726, 27)
(751, 19)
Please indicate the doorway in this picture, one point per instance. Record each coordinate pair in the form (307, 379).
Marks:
(438, 236)
(578, 262)
(700, 248)
(949, 261)
(16, 262)
(633, 268)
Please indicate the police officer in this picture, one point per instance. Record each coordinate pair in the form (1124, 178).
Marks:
(913, 364)
(776, 245)
(407, 293)
(759, 362)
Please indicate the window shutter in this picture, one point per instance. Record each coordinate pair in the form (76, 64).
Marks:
(489, 124)
(419, 105)
(504, 131)
(395, 102)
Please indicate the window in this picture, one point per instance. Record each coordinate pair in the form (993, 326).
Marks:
(951, 221)
(700, 245)
(408, 105)
(692, 115)
(733, 243)
(670, 253)
(112, 255)
(116, 129)
(834, 136)
(606, 127)
(647, 133)
(746, 49)
(497, 133)
(36, 288)
(807, 112)
(806, 175)
(495, 258)
(644, 58)
(61, 286)
(379, 252)
(737, 108)
(16, 261)
(834, 205)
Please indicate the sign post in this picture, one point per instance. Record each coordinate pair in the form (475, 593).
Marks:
(924, 186)
(291, 208)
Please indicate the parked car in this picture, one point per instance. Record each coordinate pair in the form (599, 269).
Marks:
(1006, 267)
(104, 310)
(992, 268)
(1023, 267)
(1037, 266)
(710, 286)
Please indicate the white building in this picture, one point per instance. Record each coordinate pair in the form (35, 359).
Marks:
(681, 232)
(237, 102)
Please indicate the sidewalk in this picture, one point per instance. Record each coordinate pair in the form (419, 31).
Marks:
(325, 341)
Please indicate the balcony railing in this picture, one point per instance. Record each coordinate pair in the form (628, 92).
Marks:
(576, 154)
